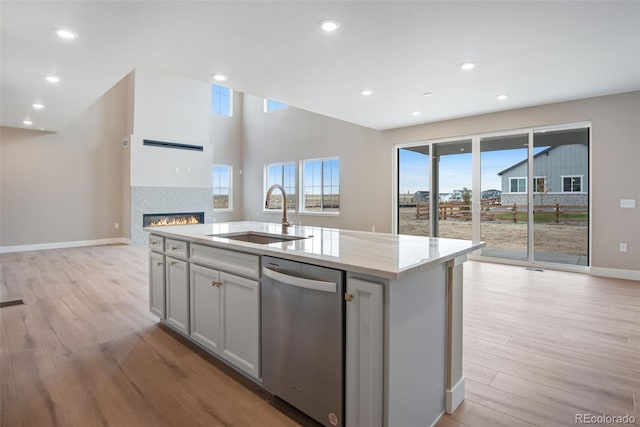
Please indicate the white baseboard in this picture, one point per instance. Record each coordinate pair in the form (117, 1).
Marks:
(454, 397)
(60, 245)
(616, 273)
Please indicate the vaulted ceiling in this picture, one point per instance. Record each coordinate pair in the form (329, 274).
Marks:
(535, 52)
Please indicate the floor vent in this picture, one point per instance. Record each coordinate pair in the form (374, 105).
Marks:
(534, 269)
(9, 303)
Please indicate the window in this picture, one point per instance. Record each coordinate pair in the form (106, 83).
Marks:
(221, 100)
(518, 185)
(283, 174)
(270, 105)
(539, 184)
(321, 185)
(222, 190)
(572, 184)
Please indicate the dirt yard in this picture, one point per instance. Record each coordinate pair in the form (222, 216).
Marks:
(548, 237)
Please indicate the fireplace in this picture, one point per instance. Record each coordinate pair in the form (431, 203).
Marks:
(180, 218)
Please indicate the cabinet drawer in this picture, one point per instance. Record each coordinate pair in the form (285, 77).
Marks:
(156, 243)
(176, 248)
(239, 263)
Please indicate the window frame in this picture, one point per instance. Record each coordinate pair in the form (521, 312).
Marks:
(213, 85)
(301, 203)
(535, 184)
(562, 177)
(230, 188)
(511, 178)
(265, 187)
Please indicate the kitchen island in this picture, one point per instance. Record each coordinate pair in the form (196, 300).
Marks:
(403, 307)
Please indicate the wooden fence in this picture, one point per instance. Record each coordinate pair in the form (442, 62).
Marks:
(489, 212)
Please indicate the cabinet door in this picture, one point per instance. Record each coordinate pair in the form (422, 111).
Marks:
(177, 291)
(364, 369)
(205, 306)
(241, 323)
(156, 284)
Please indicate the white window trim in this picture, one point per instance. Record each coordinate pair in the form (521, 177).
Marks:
(230, 208)
(525, 185)
(301, 187)
(264, 186)
(562, 177)
(230, 102)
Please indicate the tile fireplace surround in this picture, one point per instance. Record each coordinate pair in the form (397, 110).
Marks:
(149, 200)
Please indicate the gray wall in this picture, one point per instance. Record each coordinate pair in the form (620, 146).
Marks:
(553, 164)
(65, 186)
(615, 151)
(292, 134)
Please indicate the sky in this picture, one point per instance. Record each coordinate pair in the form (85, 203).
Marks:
(456, 169)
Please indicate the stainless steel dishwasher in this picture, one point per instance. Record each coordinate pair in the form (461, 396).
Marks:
(303, 337)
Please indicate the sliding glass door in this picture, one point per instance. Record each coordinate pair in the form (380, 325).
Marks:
(504, 205)
(524, 193)
(454, 179)
(561, 196)
(414, 172)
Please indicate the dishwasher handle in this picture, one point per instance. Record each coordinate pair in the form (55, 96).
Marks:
(300, 282)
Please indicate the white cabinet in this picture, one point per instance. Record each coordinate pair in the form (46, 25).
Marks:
(225, 313)
(241, 322)
(364, 358)
(156, 284)
(206, 307)
(177, 294)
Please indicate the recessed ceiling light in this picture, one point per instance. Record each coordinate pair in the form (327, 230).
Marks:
(502, 97)
(427, 94)
(329, 25)
(415, 113)
(53, 79)
(38, 106)
(366, 92)
(219, 77)
(27, 122)
(66, 34)
(469, 65)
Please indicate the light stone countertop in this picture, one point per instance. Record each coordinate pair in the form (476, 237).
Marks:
(384, 255)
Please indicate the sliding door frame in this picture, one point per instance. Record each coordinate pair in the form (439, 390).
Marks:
(476, 190)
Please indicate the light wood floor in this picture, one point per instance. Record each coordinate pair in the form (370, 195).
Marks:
(84, 350)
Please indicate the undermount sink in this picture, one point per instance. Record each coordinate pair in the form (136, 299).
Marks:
(260, 238)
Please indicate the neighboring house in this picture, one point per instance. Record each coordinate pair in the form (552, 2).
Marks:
(444, 197)
(560, 175)
(490, 194)
(421, 196)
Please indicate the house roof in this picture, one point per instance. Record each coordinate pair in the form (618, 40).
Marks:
(525, 160)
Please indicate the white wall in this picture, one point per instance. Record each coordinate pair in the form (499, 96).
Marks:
(65, 186)
(173, 109)
(293, 134)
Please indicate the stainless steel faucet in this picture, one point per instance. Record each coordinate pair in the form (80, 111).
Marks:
(285, 223)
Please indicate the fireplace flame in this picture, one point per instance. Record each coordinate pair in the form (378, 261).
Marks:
(184, 220)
